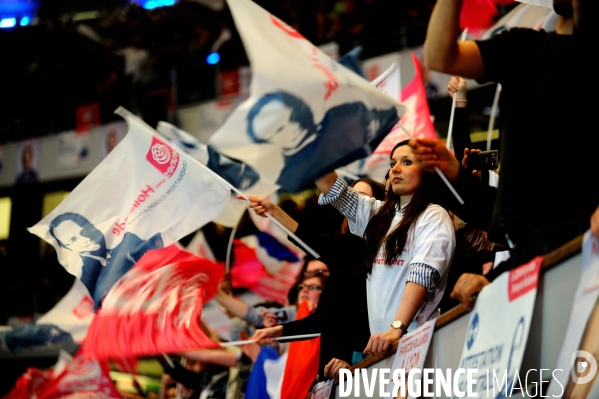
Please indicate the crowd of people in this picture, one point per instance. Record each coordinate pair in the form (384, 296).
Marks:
(408, 239)
(151, 60)
(405, 250)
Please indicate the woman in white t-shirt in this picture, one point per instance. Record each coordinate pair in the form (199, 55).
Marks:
(409, 246)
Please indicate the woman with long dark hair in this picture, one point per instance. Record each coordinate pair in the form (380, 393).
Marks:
(409, 245)
(344, 298)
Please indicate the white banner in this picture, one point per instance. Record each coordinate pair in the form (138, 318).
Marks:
(73, 150)
(306, 114)
(576, 370)
(145, 194)
(498, 331)
(412, 351)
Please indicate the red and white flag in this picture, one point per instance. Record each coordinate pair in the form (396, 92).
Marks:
(146, 194)
(306, 114)
(155, 307)
(79, 378)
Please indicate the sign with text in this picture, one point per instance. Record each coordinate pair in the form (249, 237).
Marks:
(498, 331)
(412, 350)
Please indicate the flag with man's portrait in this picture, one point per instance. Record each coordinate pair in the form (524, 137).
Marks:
(306, 114)
(146, 194)
(241, 176)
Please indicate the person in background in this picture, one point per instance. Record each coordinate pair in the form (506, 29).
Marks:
(521, 215)
(345, 296)
(28, 173)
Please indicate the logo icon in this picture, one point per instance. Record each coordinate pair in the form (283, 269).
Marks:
(584, 367)
(472, 331)
(162, 156)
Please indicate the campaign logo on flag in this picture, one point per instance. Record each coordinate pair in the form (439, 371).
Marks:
(162, 157)
(298, 125)
(155, 307)
(144, 195)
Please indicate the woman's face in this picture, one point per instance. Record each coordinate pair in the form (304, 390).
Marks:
(310, 289)
(405, 173)
(363, 188)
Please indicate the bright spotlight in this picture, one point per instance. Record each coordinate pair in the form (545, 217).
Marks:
(213, 58)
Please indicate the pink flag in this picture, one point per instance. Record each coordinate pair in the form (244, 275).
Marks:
(155, 307)
(417, 121)
(477, 15)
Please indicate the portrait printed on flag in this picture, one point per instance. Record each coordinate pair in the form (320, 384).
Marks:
(306, 114)
(101, 267)
(284, 121)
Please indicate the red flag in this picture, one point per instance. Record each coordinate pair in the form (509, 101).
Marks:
(302, 363)
(155, 307)
(81, 378)
(477, 15)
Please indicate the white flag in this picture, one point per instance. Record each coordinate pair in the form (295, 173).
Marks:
(239, 175)
(145, 194)
(306, 114)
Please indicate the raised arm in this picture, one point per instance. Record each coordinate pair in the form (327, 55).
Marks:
(442, 51)
(325, 183)
(233, 305)
(263, 206)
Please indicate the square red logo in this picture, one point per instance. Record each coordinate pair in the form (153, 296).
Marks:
(162, 156)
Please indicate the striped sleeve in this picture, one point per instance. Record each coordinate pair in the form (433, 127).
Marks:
(424, 275)
(342, 197)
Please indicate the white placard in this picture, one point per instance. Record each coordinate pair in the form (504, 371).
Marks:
(498, 331)
(412, 350)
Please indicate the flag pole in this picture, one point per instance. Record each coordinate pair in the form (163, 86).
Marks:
(493, 114)
(441, 175)
(453, 103)
(285, 229)
(230, 249)
(251, 341)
